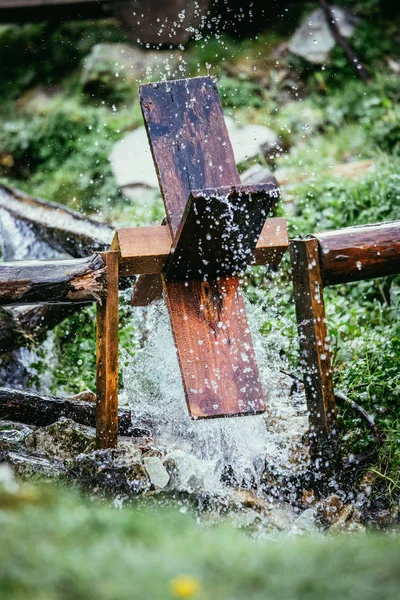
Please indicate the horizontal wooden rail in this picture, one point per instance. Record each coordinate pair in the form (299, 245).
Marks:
(357, 253)
(144, 250)
(73, 280)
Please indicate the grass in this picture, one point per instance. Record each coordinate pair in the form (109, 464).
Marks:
(57, 546)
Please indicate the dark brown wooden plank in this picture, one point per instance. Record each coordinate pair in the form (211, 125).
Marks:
(192, 150)
(357, 253)
(73, 280)
(219, 231)
(107, 359)
(188, 139)
(215, 349)
(314, 344)
(144, 250)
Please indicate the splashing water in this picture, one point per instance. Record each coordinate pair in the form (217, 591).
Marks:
(240, 447)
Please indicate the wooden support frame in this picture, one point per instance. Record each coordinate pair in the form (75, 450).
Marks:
(107, 359)
(318, 261)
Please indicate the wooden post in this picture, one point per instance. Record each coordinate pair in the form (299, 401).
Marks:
(314, 346)
(107, 359)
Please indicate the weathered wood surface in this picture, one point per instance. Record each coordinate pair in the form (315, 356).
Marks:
(191, 150)
(76, 280)
(314, 343)
(107, 359)
(144, 250)
(215, 349)
(63, 229)
(357, 253)
(219, 231)
(34, 409)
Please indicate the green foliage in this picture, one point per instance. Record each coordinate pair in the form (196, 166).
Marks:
(57, 546)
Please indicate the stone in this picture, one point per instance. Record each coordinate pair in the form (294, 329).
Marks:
(33, 467)
(313, 40)
(156, 471)
(348, 519)
(115, 66)
(133, 166)
(63, 439)
(329, 509)
(281, 518)
(256, 174)
(111, 472)
(306, 522)
(39, 99)
(12, 435)
(188, 473)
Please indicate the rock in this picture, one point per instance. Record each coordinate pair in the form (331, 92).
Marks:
(256, 174)
(12, 435)
(39, 99)
(313, 40)
(132, 163)
(111, 472)
(87, 396)
(281, 518)
(348, 519)
(248, 499)
(8, 483)
(33, 467)
(306, 522)
(116, 66)
(250, 140)
(63, 439)
(188, 473)
(329, 509)
(156, 471)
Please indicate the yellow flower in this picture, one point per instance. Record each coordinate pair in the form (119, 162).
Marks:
(185, 586)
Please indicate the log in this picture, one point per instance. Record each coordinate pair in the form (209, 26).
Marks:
(34, 409)
(107, 359)
(314, 346)
(357, 253)
(63, 229)
(75, 280)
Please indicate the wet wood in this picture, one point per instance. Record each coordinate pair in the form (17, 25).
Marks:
(219, 231)
(34, 409)
(192, 151)
(215, 349)
(314, 344)
(144, 250)
(75, 280)
(107, 359)
(359, 253)
(148, 289)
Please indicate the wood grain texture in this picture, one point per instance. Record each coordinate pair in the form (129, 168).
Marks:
(107, 359)
(144, 250)
(314, 344)
(192, 150)
(73, 280)
(215, 349)
(188, 139)
(357, 253)
(34, 409)
(219, 231)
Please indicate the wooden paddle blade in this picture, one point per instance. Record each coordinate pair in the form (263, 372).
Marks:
(215, 350)
(219, 231)
(148, 288)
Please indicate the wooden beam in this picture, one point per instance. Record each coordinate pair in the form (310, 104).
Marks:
(144, 250)
(357, 253)
(314, 345)
(74, 280)
(192, 151)
(107, 359)
(219, 231)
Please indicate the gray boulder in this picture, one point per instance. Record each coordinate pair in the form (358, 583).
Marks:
(313, 40)
(33, 467)
(63, 439)
(111, 472)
